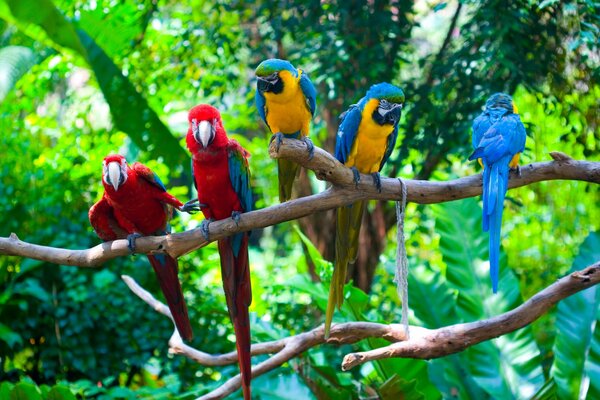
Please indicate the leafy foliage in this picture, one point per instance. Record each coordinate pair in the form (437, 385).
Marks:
(81, 79)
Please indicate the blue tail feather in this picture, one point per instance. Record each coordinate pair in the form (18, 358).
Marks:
(493, 207)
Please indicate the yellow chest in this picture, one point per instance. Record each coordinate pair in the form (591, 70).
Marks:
(287, 112)
(371, 142)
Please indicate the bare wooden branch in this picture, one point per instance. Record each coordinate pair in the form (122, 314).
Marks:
(344, 191)
(423, 343)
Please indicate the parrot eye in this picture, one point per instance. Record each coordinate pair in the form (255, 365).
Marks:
(272, 78)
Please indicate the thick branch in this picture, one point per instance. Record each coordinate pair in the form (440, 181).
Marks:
(344, 191)
(423, 343)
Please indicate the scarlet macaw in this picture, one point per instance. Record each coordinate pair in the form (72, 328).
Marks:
(498, 139)
(135, 203)
(222, 178)
(365, 140)
(286, 100)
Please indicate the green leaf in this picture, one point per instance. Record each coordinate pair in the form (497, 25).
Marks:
(60, 392)
(10, 337)
(575, 320)
(25, 391)
(397, 388)
(506, 367)
(44, 14)
(547, 392)
(15, 61)
(5, 389)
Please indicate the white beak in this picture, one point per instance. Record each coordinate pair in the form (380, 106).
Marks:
(205, 133)
(114, 174)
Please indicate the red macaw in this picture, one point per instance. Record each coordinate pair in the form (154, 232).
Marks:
(222, 178)
(135, 203)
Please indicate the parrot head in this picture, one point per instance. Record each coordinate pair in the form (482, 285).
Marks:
(114, 171)
(503, 101)
(206, 128)
(391, 101)
(270, 75)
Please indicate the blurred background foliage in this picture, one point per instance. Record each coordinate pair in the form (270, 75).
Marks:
(81, 79)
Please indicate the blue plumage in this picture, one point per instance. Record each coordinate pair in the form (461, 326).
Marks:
(309, 91)
(498, 136)
(239, 174)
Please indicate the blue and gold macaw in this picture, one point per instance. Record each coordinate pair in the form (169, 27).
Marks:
(498, 139)
(286, 100)
(365, 140)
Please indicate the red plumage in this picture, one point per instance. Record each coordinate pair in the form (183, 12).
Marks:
(135, 201)
(221, 176)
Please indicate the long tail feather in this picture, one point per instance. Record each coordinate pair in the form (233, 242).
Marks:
(493, 207)
(166, 269)
(346, 250)
(287, 172)
(238, 294)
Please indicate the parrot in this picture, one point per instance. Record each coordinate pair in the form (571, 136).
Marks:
(222, 178)
(135, 203)
(365, 140)
(498, 140)
(286, 100)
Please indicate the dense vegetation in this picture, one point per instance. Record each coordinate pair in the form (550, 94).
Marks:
(80, 79)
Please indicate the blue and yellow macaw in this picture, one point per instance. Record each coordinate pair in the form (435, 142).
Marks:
(286, 100)
(365, 140)
(498, 139)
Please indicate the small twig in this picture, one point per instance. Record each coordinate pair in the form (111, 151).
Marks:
(423, 343)
(344, 192)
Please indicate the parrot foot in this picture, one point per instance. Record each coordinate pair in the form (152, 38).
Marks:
(192, 206)
(517, 170)
(235, 216)
(278, 137)
(204, 228)
(131, 241)
(310, 147)
(356, 176)
(377, 181)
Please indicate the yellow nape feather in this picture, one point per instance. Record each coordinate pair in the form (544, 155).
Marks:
(370, 143)
(287, 112)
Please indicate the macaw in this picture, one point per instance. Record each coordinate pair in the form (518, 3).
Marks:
(222, 178)
(286, 100)
(365, 140)
(136, 203)
(498, 140)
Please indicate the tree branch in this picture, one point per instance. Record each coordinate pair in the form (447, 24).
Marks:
(343, 192)
(423, 343)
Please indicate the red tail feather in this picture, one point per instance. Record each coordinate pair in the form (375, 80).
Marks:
(238, 293)
(166, 269)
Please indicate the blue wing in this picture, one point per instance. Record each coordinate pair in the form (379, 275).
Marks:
(481, 124)
(259, 99)
(239, 174)
(504, 138)
(391, 143)
(146, 173)
(347, 133)
(309, 91)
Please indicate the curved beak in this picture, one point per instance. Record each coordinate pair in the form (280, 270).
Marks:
(392, 116)
(204, 132)
(267, 83)
(114, 177)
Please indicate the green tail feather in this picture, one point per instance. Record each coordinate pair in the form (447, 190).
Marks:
(287, 171)
(346, 249)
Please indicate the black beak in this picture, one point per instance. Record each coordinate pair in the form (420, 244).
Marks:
(269, 83)
(392, 116)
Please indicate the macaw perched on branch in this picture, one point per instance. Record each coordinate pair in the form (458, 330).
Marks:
(222, 178)
(136, 203)
(286, 100)
(365, 140)
(498, 139)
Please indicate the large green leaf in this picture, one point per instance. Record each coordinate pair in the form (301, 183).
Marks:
(15, 61)
(130, 110)
(507, 367)
(434, 304)
(25, 391)
(577, 315)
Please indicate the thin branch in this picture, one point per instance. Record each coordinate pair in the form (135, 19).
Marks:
(343, 192)
(423, 343)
